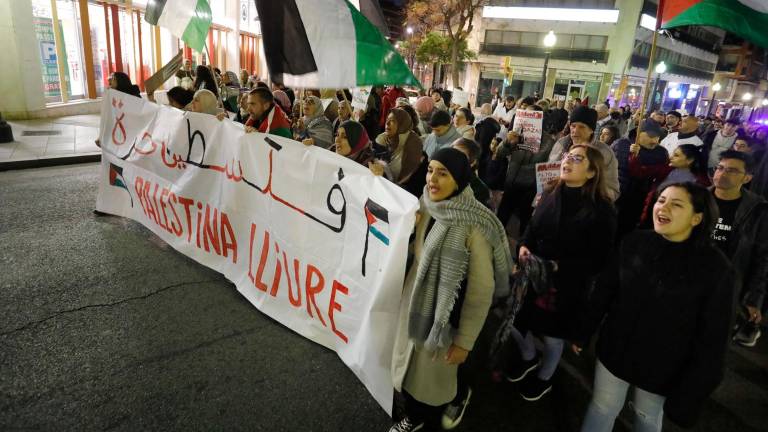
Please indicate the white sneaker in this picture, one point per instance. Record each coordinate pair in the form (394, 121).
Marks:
(405, 425)
(454, 413)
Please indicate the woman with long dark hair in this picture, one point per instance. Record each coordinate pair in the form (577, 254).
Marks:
(572, 229)
(685, 165)
(461, 259)
(204, 80)
(666, 302)
(122, 82)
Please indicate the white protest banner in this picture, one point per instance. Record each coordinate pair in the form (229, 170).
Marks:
(545, 173)
(310, 238)
(360, 97)
(530, 125)
(460, 98)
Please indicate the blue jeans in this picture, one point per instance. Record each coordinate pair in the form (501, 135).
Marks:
(608, 400)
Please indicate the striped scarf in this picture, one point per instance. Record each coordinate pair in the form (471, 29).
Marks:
(444, 264)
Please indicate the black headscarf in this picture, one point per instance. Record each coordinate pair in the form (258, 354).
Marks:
(457, 164)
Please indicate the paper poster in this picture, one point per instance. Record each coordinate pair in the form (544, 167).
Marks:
(360, 97)
(530, 125)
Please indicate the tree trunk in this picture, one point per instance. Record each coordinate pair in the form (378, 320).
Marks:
(454, 63)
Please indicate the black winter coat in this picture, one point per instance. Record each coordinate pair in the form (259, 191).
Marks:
(578, 235)
(667, 309)
(747, 248)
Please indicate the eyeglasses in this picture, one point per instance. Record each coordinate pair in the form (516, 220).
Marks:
(729, 171)
(574, 158)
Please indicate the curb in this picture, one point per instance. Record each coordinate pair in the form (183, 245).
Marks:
(50, 161)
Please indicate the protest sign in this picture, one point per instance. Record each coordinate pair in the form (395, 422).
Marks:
(360, 97)
(546, 172)
(460, 98)
(529, 124)
(164, 74)
(310, 238)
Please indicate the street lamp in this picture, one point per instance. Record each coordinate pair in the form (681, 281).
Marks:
(715, 88)
(549, 41)
(409, 30)
(746, 97)
(765, 102)
(660, 69)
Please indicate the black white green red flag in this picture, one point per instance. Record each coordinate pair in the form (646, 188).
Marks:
(188, 20)
(327, 44)
(745, 18)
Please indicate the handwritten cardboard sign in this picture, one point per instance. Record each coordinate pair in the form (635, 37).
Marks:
(460, 98)
(164, 74)
(530, 125)
(360, 97)
(323, 252)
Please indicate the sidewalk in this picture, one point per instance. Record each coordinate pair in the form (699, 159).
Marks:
(54, 141)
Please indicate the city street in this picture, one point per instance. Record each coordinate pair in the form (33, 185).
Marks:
(105, 327)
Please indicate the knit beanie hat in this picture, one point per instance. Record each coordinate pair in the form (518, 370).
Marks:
(356, 135)
(403, 120)
(440, 118)
(586, 115)
(457, 164)
(651, 128)
(424, 104)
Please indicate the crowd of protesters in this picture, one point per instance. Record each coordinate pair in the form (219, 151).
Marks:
(653, 226)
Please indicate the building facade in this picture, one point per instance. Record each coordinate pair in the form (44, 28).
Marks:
(66, 50)
(601, 53)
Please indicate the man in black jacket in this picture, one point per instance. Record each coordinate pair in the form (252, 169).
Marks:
(741, 233)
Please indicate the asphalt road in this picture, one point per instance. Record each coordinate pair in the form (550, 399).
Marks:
(105, 327)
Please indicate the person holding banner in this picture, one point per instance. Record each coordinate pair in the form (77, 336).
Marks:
(461, 260)
(574, 226)
(315, 126)
(404, 158)
(264, 114)
(352, 142)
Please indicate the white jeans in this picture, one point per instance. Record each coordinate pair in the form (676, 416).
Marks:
(608, 400)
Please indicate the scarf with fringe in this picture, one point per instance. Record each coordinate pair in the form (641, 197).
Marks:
(444, 264)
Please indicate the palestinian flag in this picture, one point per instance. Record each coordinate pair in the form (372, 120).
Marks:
(188, 20)
(116, 179)
(745, 18)
(377, 218)
(327, 44)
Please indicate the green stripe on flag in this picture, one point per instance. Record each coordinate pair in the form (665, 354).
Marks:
(197, 29)
(377, 61)
(730, 15)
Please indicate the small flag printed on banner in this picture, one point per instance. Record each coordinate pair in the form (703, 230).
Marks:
(377, 218)
(116, 179)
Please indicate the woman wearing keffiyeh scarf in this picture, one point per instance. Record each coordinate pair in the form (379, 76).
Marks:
(317, 128)
(462, 261)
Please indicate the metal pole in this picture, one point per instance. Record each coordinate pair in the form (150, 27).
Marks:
(544, 75)
(711, 102)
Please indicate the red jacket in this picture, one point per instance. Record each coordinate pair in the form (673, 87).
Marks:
(389, 101)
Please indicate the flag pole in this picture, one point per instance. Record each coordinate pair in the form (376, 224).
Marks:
(651, 58)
